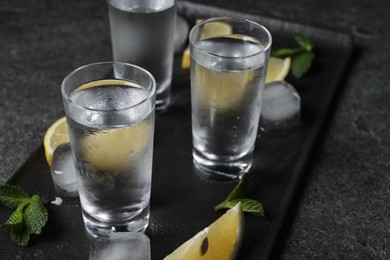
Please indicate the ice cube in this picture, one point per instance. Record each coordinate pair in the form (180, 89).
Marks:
(281, 106)
(63, 171)
(58, 201)
(122, 245)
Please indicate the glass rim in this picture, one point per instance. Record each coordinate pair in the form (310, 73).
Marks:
(72, 73)
(225, 18)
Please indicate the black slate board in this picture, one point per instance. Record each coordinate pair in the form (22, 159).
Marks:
(182, 202)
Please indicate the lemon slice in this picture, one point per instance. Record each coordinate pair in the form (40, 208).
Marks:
(55, 135)
(277, 69)
(106, 83)
(115, 149)
(221, 240)
(221, 90)
(243, 37)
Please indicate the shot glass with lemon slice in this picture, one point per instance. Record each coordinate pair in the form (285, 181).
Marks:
(109, 110)
(229, 60)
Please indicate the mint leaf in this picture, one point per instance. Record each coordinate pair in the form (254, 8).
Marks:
(302, 55)
(304, 42)
(282, 52)
(36, 215)
(15, 219)
(12, 196)
(248, 205)
(238, 195)
(20, 233)
(301, 64)
(240, 191)
(30, 214)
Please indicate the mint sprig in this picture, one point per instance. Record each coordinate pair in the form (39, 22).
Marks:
(29, 216)
(301, 64)
(302, 56)
(304, 43)
(238, 195)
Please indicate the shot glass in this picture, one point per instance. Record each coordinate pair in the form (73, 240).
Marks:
(110, 108)
(143, 33)
(229, 58)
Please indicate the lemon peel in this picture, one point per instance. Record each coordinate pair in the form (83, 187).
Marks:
(55, 135)
(221, 240)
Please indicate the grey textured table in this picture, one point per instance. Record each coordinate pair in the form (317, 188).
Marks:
(342, 210)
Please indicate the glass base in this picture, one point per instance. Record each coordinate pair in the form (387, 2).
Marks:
(95, 228)
(163, 100)
(221, 170)
(69, 191)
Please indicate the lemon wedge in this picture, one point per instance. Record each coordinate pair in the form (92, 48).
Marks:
(55, 135)
(186, 59)
(277, 69)
(221, 240)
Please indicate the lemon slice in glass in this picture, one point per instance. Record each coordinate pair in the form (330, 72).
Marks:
(116, 148)
(221, 240)
(221, 90)
(55, 135)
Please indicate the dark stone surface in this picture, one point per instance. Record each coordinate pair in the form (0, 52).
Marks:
(343, 208)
